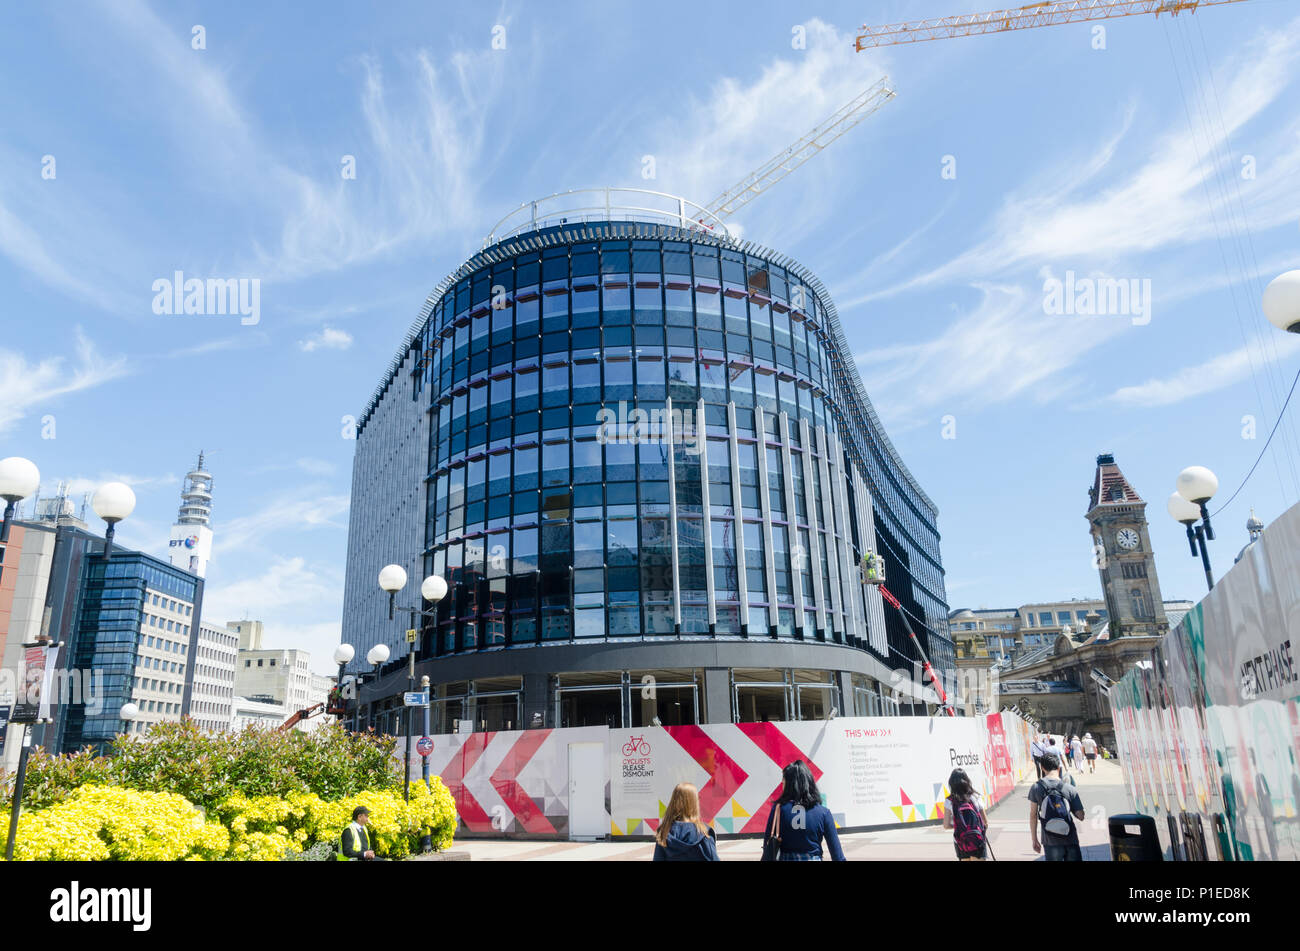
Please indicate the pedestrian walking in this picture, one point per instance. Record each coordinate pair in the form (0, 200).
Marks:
(1076, 752)
(682, 835)
(964, 814)
(1090, 752)
(1036, 749)
(1055, 804)
(798, 823)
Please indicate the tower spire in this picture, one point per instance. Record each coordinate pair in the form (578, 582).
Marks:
(191, 540)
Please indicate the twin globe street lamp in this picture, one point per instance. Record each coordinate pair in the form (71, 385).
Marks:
(433, 589)
(1196, 485)
(377, 656)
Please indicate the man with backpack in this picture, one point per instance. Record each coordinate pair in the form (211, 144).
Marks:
(1055, 804)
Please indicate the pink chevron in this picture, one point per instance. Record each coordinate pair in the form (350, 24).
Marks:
(511, 793)
(769, 738)
(725, 774)
(453, 777)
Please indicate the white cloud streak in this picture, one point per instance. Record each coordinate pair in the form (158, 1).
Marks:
(1214, 374)
(327, 339)
(25, 385)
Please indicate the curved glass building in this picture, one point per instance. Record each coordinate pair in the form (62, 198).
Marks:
(641, 455)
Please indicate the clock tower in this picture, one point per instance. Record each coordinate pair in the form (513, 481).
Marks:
(1122, 553)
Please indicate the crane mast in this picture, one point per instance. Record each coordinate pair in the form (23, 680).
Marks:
(785, 162)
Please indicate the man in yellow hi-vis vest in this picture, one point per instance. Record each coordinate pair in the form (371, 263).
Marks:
(355, 841)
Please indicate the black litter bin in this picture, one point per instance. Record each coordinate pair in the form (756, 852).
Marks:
(1133, 839)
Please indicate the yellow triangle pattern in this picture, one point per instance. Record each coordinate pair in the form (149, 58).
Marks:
(737, 812)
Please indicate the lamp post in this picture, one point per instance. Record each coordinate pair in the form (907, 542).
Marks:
(343, 655)
(128, 713)
(112, 502)
(19, 478)
(1196, 485)
(377, 656)
(48, 645)
(432, 589)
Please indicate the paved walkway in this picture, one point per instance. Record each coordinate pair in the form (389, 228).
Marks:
(1103, 793)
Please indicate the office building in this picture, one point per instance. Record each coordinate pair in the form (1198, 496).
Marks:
(639, 451)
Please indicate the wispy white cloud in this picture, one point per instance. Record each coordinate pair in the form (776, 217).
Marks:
(1160, 201)
(708, 144)
(328, 339)
(1214, 374)
(293, 598)
(296, 512)
(25, 385)
(239, 341)
(1003, 348)
(419, 168)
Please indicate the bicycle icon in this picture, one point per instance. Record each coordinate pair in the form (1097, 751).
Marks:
(636, 746)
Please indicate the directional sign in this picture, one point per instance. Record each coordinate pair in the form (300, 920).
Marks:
(424, 745)
(411, 635)
(416, 698)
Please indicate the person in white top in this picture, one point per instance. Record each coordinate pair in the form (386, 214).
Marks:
(1076, 753)
(1090, 752)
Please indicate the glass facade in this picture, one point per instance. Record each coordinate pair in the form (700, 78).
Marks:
(635, 433)
(110, 621)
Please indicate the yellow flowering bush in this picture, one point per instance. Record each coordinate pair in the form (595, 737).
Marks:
(108, 822)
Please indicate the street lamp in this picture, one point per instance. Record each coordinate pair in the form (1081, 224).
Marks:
(19, 478)
(1196, 485)
(1282, 302)
(392, 579)
(112, 502)
(128, 713)
(433, 589)
(377, 656)
(343, 655)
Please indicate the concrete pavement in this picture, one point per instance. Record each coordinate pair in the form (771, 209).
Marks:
(1104, 794)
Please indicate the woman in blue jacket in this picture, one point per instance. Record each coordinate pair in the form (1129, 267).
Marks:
(682, 835)
(798, 822)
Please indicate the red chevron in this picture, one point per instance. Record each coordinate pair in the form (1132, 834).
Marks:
(453, 777)
(769, 738)
(511, 793)
(725, 774)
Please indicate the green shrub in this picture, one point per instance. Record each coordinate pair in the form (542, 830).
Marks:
(207, 768)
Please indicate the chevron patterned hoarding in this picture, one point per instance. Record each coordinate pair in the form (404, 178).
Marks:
(874, 771)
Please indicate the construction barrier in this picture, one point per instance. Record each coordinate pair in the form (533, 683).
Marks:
(594, 781)
(1209, 730)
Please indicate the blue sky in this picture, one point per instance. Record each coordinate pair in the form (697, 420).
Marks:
(1123, 162)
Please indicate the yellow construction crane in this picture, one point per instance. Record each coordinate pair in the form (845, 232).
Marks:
(1046, 13)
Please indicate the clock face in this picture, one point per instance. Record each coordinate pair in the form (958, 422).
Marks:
(1127, 539)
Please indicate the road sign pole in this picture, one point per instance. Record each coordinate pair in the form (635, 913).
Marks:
(410, 714)
(424, 766)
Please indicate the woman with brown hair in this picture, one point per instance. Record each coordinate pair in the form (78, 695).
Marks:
(682, 835)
